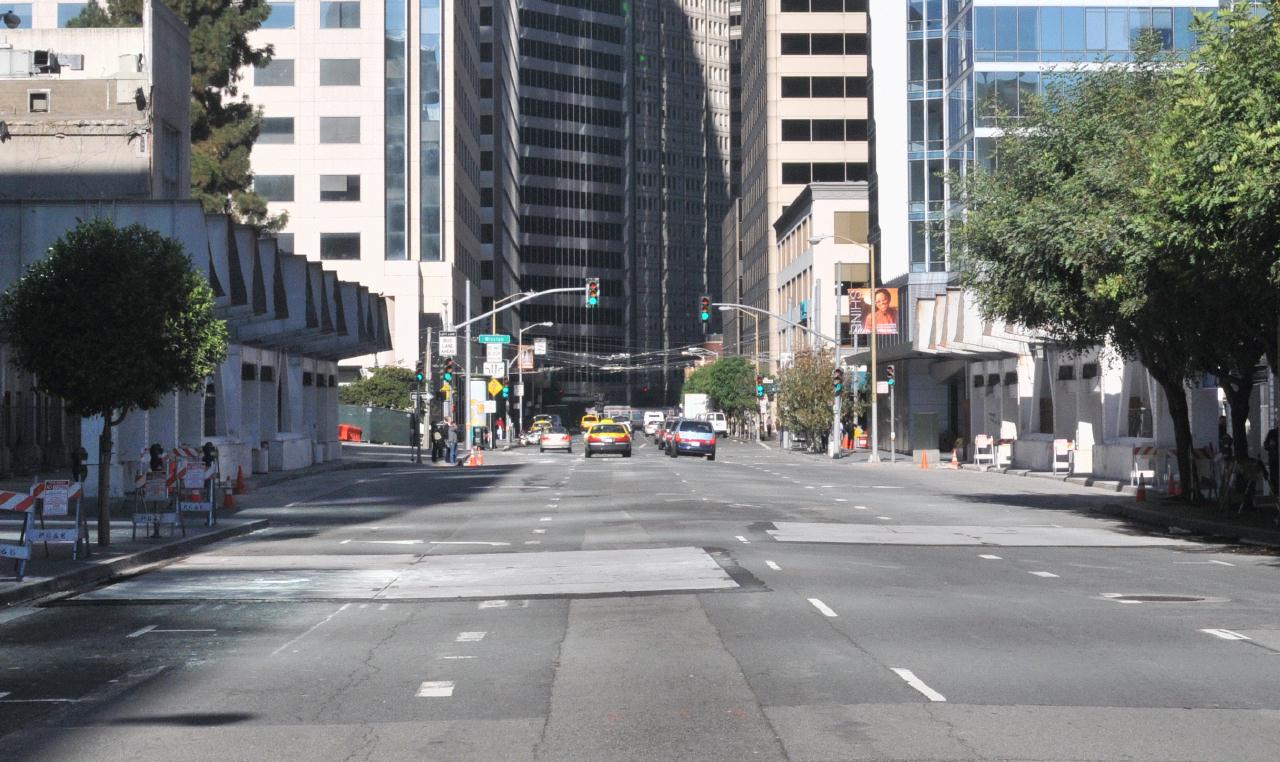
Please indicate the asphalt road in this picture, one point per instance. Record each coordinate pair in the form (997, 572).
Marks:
(763, 606)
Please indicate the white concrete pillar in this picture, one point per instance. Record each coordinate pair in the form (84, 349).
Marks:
(191, 418)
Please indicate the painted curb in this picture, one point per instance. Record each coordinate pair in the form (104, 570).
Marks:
(119, 567)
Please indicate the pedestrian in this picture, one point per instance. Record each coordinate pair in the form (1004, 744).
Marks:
(1272, 446)
(451, 442)
(437, 442)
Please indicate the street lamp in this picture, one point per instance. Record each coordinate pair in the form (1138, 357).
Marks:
(520, 368)
(875, 424)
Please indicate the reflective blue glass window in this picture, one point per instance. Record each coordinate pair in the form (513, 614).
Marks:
(1006, 28)
(1117, 29)
(280, 17)
(1028, 31)
(68, 11)
(1095, 29)
(1073, 29)
(984, 29)
(1182, 37)
(23, 12)
(1051, 29)
(1162, 23)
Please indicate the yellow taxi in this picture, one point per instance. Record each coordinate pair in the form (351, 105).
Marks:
(588, 420)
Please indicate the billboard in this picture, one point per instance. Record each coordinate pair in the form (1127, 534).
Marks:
(878, 304)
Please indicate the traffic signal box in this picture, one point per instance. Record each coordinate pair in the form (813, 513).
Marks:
(837, 380)
(759, 386)
(593, 292)
(706, 309)
(888, 374)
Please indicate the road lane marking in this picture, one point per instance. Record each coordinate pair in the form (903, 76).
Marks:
(809, 486)
(37, 701)
(909, 677)
(470, 637)
(539, 531)
(312, 628)
(384, 542)
(742, 539)
(533, 542)
(3, 694)
(468, 542)
(990, 557)
(827, 486)
(143, 631)
(453, 658)
(545, 518)
(1227, 634)
(435, 689)
(884, 518)
(383, 607)
(859, 507)
(824, 608)
(842, 500)
(199, 630)
(773, 566)
(765, 446)
(499, 604)
(1046, 575)
(1222, 563)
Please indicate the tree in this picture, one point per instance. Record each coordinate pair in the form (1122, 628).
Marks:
(1217, 173)
(805, 395)
(223, 127)
(730, 382)
(388, 386)
(1066, 237)
(110, 321)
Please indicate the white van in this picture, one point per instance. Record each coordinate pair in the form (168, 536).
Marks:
(652, 420)
(718, 423)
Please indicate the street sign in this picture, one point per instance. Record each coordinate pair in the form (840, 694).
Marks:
(55, 497)
(495, 387)
(448, 345)
(493, 353)
(882, 387)
(490, 406)
(495, 369)
(519, 390)
(539, 347)
(495, 338)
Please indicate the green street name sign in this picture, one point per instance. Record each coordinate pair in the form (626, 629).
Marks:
(495, 338)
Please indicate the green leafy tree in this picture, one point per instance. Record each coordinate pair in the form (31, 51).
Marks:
(387, 386)
(730, 382)
(1217, 174)
(805, 395)
(110, 321)
(1066, 237)
(224, 127)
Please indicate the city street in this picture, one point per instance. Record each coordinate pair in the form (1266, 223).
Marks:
(764, 606)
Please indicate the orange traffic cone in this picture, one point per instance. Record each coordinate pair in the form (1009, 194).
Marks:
(955, 462)
(240, 487)
(228, 500)
(1141, 495)
(924, 460)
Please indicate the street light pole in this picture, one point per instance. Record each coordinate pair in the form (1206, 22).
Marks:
(520, 367)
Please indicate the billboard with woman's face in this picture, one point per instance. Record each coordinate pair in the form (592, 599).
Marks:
(878, 306)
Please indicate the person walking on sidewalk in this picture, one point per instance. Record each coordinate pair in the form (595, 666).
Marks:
(437, 442)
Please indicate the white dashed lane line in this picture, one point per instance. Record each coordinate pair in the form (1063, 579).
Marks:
(435, 689)
(990, 557)
(470, 637)
(743, 540)
(1045, 574)
(772, 565)
(909, 677)
(824, 608)
(1227, 634)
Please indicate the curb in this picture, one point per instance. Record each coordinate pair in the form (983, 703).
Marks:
(302, 473)
(1244, 535)
(120, 567)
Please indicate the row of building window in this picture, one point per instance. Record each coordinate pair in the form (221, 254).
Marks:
(547, 22)
(332, 187)
(569, 112)
(819, 130)
(538, 313)
(560, 256)
(569, 54)
(554, 226)
(334, 72)
(570, 170)
(570, 199)
(339, 245)
(569, 141)
(568, 83)
(824, 6)
(1024, 33)
(340, 14)
(824, 87)
(801, 173)
(333, 129)
(823, 44)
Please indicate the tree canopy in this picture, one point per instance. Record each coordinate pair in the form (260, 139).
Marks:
(387, 386)
(806, 396)
(730, 382)
(224, 127)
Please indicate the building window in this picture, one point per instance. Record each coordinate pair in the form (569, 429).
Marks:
(339, 187)
(339, 129)
(339, 245)
(274, 187)
(67, 12)
(276, 129)
(280, 16)
(340, 15)
(339, 72)
(23, 12)
(277, 73)
(37, 101)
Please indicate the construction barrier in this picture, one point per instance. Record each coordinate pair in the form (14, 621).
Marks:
(55, 499)
(350, 433)
(1063, 456)
(20, 551)
(984, 450)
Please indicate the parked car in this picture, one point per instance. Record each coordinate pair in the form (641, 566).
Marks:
(606, 438)
(664, 433)
(555, 438)
(718, 422)
(692, 438)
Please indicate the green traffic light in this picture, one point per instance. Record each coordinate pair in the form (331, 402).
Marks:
(593, 301)
(706, 316)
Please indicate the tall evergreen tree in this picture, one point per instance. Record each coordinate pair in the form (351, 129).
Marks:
(224, 125)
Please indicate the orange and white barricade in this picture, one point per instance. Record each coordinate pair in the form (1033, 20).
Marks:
(19, 550)
(1063, 456)
(60, 499)
(1143, 465)
(984, 451)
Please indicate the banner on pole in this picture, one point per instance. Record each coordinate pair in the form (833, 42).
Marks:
(878, 304)
(525, 355)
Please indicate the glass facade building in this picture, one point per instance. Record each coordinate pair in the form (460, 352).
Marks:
(431, 193)
(396, 129)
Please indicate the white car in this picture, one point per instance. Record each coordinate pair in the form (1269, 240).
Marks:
(718, 422)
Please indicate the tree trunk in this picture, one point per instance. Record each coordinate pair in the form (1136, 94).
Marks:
(104, 481)
(1175, 392)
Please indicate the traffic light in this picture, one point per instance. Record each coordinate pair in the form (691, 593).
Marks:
(759, 386)
(593, 292)
(419, 374)
(837, 379)
(448, 371)
(706, 309)
(506, 390)
(888, 374)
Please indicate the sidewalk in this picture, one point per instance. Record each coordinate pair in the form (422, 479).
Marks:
(126, 556)
(1255, 528)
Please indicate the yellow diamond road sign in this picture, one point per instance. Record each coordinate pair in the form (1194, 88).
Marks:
(495, 386)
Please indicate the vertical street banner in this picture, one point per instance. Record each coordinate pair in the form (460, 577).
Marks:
(883, 302)
(525, 355)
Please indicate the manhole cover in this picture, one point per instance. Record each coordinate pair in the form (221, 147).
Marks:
(1159, 598)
